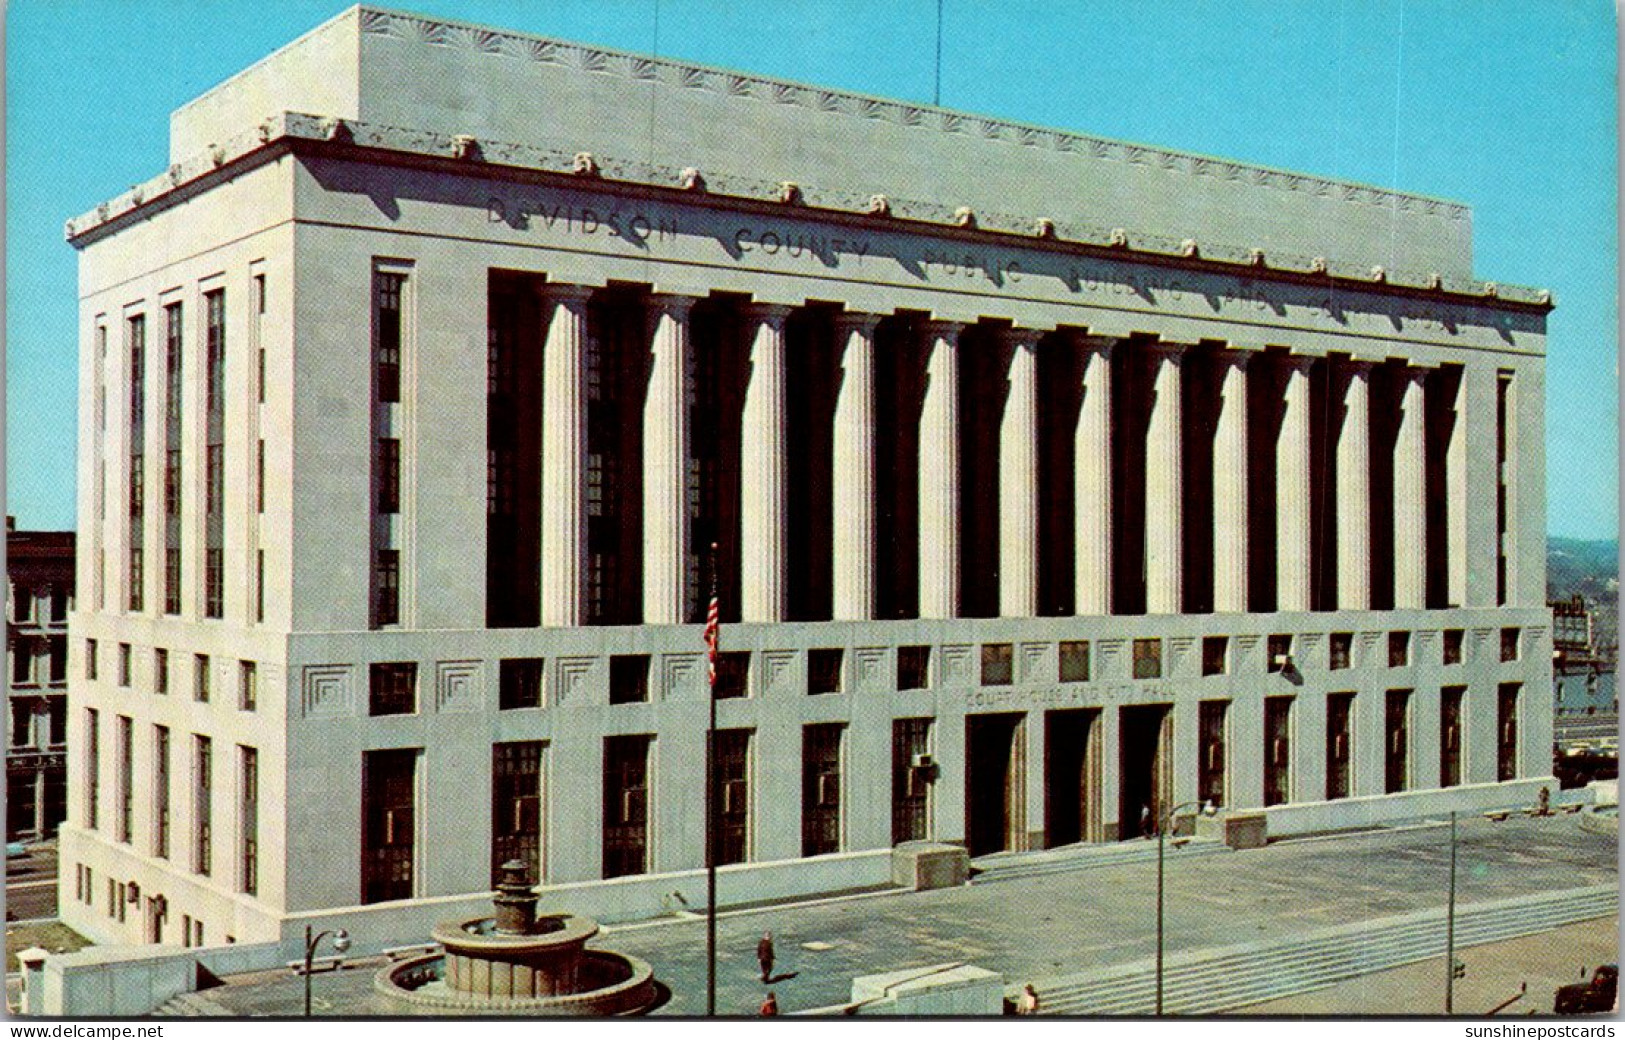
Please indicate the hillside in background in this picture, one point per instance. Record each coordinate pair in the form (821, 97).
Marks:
(1592, 570)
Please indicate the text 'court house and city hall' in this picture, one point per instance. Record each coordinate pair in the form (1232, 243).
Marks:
(1056, 482)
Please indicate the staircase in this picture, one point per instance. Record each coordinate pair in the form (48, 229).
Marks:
(1011, 866)
(191, 1005)
(1203, 982)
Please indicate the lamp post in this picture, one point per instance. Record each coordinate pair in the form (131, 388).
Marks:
(341, 942)
(1163, 823)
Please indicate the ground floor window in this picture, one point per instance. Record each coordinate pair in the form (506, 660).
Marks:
(1450, 735)
(821, 788)
(1277, 750)
(912, 770)
(626, 805)
(516, 807)
(1210, 751)
(733, 796)
(1339, 744)
(1506, 731)
(1398, 742)
(389, 815)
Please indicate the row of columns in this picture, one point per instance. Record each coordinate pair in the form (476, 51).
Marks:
(763, 490)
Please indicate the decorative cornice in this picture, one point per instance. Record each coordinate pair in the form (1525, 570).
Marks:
(298, 129)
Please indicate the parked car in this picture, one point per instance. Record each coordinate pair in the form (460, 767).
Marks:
(1588, 998)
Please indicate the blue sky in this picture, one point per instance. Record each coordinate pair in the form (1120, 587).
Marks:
(1506, 105)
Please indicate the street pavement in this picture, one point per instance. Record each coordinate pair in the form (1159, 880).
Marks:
(1062, 923)
(31, 884)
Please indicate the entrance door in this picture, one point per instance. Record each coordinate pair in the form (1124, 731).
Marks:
(995, 783)
(1145, 756)
(1072, 776)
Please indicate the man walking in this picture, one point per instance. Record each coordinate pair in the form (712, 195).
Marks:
(764, 956)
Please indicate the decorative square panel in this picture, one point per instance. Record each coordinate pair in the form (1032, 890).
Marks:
(776, 666)
(871, 668)
(956, 664)
(1109, 652)
(570, 678)
(459, 686)
(1033, 657)
(678, 671)
(327, 691)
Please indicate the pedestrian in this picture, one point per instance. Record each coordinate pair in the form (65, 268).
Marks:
(770, 1006)
(764, 956)
(1145, 821)
(1028, 1004)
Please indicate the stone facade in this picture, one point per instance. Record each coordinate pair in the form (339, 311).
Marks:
(39, 596)
(1068, 479)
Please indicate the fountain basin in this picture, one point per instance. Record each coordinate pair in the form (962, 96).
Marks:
(612, 984)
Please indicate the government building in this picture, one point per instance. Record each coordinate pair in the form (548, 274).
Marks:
(1057, 484)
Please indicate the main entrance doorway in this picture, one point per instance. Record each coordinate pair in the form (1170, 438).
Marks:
(1072, 776)
(995, 783)
(1145, 739)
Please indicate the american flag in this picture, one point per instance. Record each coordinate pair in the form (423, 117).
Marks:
(712, 625)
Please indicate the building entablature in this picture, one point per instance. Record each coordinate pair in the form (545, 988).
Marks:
(1336, 283)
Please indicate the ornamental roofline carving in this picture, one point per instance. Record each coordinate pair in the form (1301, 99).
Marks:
(297, 130)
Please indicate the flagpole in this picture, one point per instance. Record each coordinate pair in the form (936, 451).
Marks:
(712, 624)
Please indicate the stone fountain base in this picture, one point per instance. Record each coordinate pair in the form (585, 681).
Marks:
(613, 984)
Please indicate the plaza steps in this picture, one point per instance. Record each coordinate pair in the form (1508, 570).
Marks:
(1208, 981)
(1011, 866)
(191, 1005)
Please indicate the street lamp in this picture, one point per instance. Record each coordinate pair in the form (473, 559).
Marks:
(341, 942)
(1163, 823)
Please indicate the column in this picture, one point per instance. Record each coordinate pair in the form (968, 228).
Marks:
(853, 448)
(564, 457)
(1410, 496)
(762, 470)
(1092, 479)
(1162, 484)
(39, 796)
(1354, 490)
(1292, 489)
(939, 474)
(1230, 486)
(1018, 482)
(665, 464)
(1455, 483)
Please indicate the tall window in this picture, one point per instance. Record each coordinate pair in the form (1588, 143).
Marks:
(1506, 731)
(249, 813)
(626, 805)
(389, 824)
(387, 316)
(93, 771)
(214, 563)
(1503, 460)
(160, 671)
(136, 334)
(1277, 750)
(821, 788)
(248, 692)
(389, 475)
(733, 795)
(516, 807)
(200, 678)
(1210, 750)
(126, 777)
(1397, 752)
(160, 791)
(1450, 699)
(173, 400)
(387, 588)
(202, 805)
(912, 771)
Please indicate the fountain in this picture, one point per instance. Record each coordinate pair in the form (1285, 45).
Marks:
(517, 963)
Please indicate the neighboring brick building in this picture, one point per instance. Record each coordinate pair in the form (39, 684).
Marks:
(39, 596)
